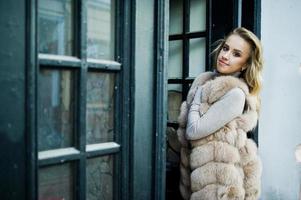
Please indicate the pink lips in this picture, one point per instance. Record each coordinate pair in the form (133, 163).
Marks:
(222, 62)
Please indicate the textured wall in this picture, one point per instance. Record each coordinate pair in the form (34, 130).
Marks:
(280, 120)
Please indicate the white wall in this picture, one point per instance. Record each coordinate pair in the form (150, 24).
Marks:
(280, 120)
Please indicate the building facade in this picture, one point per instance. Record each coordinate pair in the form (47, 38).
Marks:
(90, 93)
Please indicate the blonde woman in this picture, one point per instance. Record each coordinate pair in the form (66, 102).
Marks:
(218, 161)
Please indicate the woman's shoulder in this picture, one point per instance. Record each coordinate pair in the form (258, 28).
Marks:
(236, 93)
(228, 82)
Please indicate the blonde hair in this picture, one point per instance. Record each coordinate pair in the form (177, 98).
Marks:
(254, 65)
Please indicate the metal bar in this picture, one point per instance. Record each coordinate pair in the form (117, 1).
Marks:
(103, 64)
(176, 37)
(185, 67)
(257, 31)
(55, 153)
(257, 18)
(180, 81)
(118, 105)
(58, 156)
(76, 27)
(197, 34)
(58, 60)
(125, 51)
(59, 160)
(31, 104)
(101, 149)
(189, 79)
(208, 34)
(175, 81)
(81, 99)
(237, 7)
(239, 10)
(187, 35)
(160, 99)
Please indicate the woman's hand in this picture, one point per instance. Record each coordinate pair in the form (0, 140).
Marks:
(197, 104)
(197, 96)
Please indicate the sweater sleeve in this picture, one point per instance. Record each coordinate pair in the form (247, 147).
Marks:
(230, 106)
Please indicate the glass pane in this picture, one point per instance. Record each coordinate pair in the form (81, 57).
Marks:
(175, 59)
(173, 145)
(176, 17)
(197, 15)
(56, 104)
(100, 178)
(56, 33)
(174, 101)
(100, 107)
(101, 25)
(56, 183)
(197, 56)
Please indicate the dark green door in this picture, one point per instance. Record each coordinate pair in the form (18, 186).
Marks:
(13, 124)
(78, 132)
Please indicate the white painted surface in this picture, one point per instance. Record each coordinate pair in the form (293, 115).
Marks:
(280, 120)
(43, 155)
(101, 146)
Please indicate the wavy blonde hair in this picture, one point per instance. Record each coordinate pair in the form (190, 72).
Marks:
(254, 65)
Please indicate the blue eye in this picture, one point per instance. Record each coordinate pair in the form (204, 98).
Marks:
(225, 48)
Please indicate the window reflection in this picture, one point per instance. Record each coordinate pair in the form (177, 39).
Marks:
(175, 59)
(197, 15)
(100, 178)
(100, 108)
(197, 59)
(176, 17)
(174, 101)
(56, 183)
(101, 14)
(56, 27)
(56, 102)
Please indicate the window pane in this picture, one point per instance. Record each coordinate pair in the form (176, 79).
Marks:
(100, 107)
(100, 178)
(175, 59)
(197, 59)
(56, 104)
(176, 17)
(56, 183)
(56, 33)
(174, 101)
(173, 146)
(197, 15)
(101, 14)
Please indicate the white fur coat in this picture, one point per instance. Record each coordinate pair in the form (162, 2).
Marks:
(225, 164)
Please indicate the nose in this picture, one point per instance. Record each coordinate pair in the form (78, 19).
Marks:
(225, 55)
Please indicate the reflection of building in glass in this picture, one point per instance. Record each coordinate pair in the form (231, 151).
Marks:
(100, 178)
(57, 183)
(56, 109)
(100, 108)
(101, 29)
(56, 33)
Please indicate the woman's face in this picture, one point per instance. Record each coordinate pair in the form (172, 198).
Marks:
(233, 55)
